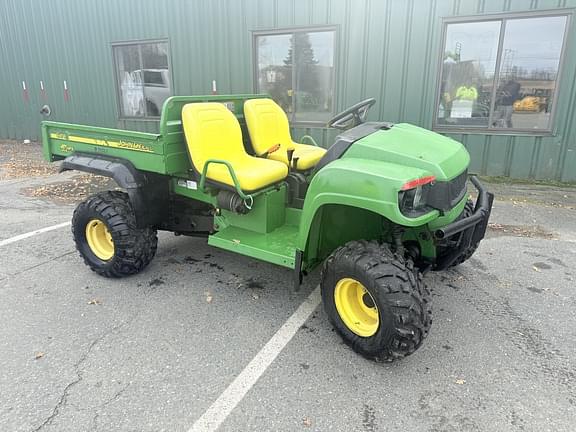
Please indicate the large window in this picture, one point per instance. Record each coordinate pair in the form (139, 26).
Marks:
(296, 68)
(501, 74)
(143, 78)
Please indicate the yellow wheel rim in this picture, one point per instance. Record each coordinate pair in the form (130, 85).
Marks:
(356, 307)
(99, 239)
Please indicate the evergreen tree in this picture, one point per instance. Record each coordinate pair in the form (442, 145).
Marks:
(303, 63)
(300, 44)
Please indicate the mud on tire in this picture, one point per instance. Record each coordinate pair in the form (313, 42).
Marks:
(134, 247)
(402, 299)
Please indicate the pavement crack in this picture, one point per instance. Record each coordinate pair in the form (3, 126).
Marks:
(38, 265)
(63, 400)
(114, 397)
(107, 402)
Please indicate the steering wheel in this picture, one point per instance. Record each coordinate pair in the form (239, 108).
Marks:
(356, 112)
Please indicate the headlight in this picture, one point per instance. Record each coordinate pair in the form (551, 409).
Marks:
(412, 199)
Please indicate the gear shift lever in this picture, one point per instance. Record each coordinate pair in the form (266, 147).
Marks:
(295, 164)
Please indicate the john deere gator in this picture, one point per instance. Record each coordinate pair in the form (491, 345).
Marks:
(381, 206)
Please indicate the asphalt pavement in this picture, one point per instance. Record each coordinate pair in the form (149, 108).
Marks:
(152, 352)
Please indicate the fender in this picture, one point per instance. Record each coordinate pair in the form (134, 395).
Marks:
(148, 192)
(366, 184)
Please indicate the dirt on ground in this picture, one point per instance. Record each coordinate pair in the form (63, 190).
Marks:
(521, 192)
(530, 231)
(73, 190)
(19, 160)
(25, 160)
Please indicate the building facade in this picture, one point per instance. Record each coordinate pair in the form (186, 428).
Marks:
(497, 75)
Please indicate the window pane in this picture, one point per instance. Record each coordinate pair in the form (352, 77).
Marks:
(468, 71)
(275, 69)
(156, 77)
(130, 81)
(297, 70)
(528, 71)
(312, 58)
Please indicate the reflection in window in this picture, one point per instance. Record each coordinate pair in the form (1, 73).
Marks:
(274, 75)
(468, 70)
(297, 71)
(529, 66)
(143, 78)
(501, 84)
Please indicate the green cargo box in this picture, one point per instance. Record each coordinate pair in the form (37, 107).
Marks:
(163, 153)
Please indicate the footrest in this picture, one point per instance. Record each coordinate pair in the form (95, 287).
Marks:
(277, 247)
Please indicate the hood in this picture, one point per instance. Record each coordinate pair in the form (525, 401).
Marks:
(409, 145)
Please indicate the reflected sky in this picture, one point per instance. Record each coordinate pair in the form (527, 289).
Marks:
(524, 43)
(478, 41)
(273, 49)
(528, 48)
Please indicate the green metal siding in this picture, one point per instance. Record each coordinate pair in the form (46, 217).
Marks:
(387, 49)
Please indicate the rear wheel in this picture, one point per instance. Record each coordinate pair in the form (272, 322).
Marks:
(105, 233)
(376, 300)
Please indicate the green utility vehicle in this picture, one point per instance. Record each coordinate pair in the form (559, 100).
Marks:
(381, 206)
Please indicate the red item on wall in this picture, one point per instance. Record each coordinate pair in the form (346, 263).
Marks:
(66, 93)
(25, 92)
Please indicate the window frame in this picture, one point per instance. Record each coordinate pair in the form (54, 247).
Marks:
(503, 18)
(139, 42)
(290, 31)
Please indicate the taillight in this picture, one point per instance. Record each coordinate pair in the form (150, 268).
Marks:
(412, 196)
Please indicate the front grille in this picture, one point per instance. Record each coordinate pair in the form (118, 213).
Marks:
(444, 196)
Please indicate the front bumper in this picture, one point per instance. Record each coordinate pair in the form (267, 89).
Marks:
(467, 231)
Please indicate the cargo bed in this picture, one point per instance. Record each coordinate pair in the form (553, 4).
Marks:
(163, 153)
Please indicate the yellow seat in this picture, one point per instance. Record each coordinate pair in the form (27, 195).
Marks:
(268, 127)
(213, 132)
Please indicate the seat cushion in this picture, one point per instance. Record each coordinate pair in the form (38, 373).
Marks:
(213, 133)
(308, 156)
(252, 173)
(268, 126)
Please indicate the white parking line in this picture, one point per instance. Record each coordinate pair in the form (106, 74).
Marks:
(32, 233)
(235, 392)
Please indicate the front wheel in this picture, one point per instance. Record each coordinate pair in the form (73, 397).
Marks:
(106, 235)
(377, 301)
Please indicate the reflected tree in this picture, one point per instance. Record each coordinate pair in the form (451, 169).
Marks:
(304, 64)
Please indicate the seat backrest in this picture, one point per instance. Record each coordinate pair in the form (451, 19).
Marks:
(267, 124)
(212, 132)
